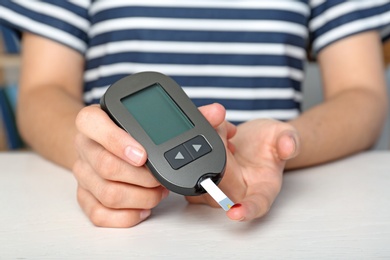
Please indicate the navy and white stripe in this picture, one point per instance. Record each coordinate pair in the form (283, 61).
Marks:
(333, 20)
(246, 54)
(61, 21)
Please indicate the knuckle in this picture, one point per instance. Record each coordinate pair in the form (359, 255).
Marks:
(152, 200)
(115, 140)
(106, 164)
(79, 170)
(111, 137)
(79, 196)
(83, 117)
(111, 196)
(78, 140)
(98, 216)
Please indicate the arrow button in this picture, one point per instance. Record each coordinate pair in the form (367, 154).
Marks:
(197, 146)
(178, 157)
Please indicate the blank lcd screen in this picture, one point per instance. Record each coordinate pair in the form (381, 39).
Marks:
(157, 113)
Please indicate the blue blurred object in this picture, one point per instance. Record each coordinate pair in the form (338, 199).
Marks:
(11, 41)
(8, 94)
(8, 116)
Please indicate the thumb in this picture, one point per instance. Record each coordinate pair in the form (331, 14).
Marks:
(214, 113)
(287, 145)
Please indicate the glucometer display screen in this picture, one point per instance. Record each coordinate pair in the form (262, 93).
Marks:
(157, 113)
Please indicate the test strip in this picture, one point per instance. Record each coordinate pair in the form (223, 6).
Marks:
(217, 194)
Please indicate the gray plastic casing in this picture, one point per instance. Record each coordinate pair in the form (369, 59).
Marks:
(186, 180)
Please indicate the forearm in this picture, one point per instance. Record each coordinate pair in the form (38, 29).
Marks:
(50, 96)
(46, 117)
(347, 123)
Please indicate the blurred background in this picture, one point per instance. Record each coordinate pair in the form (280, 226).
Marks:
(9, 73)
(10, 69)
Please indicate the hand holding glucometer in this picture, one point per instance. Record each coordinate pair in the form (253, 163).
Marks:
(185, 153)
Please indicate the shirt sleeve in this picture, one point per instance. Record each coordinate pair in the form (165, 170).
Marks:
(66, 22)
(332, 20)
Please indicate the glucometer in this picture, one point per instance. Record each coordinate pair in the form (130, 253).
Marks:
(185, 153)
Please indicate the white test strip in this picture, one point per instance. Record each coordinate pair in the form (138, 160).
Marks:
(217, 194)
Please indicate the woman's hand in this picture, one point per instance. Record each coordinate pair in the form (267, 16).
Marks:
(115, 189)
(256, 157)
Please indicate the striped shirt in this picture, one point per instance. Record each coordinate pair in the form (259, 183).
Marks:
(248, 55)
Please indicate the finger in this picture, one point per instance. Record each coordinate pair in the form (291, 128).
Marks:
(262, 190)
(116, 195)
(105, 217)
(232, 184)
(96, 124)
(110, 167)
(231, 147)
(214, 113)
(287, 145)
(231, 130)
(251, 207)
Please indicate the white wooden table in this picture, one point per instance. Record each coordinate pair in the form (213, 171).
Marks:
(339, 210)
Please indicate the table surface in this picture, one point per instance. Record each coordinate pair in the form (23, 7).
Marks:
(338, 210)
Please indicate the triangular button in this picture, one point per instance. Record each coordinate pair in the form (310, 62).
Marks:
(179, 156)
(197, 147)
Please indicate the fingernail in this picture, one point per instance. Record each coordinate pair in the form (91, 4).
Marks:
(294, 140)
(144, 214)
(290, 141)
(235, 206)
(134, 154)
